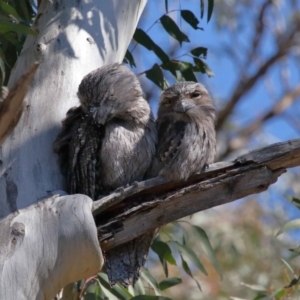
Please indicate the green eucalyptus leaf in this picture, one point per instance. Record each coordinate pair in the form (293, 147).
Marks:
(189, 75)
(150, 279)
(254, 287)
(294, 201)
(92, 296)
(199, 51)
(165, 266)
(169, 282)
(118, 291)
(173, 30)
(278, 294)
(176, 65)
(294, 224)
(9, 10)
(12, 38)
(288, 266)
(187, 270)
(129, 58)
(156, 75)
(166, 5)
(190, 254)
(149, 297)
(210, 9)
(139, 288)
(19, 28)
(207, 248)
(261, 296)
(142, 38)
(190, 18)
(201, 66)
(5, 18)
(185, 71)
(163, 251)
(201, 9)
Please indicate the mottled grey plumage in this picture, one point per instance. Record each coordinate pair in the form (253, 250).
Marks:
(186, 131)
(108, 142)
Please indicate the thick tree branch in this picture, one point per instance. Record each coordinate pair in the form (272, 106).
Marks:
(122, 216)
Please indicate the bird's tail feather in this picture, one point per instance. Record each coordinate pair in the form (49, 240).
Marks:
(123, 263)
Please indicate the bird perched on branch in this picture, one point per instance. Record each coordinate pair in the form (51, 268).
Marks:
(186, 132)
(106, 143)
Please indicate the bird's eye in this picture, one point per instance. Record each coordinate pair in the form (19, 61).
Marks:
(195, 95)
(168, 101)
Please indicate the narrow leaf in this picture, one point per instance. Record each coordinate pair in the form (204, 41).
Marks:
(9, 10)
(199, 51)
(254, 287)
(12, 38)
(166, 5)
(295, 250)
(278, 294)
(165, 267)
(288, 266)
(92, 296)
(190, 18)
(201, 9)
(294, 224)
(261, 296)
(207, 248)
(19, 28)
(294, 201)
(201, 66)
(176, 65)
(149, 278)
(190, 254)
(210, 9)
(143, 38)
(187, 270)
(149, 297)
(186, 72)
(173, 30)
(189, 75)
(139, 288)
(155, 74)
(169, 282)
(130, 59)
(118, 291)
(163, 250)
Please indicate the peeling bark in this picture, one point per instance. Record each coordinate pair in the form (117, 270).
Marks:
(155, 202)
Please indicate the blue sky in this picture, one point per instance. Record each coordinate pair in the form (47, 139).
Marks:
(227, 74)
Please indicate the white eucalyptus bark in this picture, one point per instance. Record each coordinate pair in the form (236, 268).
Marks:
(75, 37)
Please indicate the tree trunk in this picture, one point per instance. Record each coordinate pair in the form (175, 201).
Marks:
(40, 239)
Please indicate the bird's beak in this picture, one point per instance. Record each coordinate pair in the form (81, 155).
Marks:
(100, 115)
(183, 106)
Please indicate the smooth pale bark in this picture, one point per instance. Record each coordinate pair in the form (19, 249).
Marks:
(74, 38)
(51, 243)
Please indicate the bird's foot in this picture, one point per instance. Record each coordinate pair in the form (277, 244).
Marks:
(135, 184)
(120, 189)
